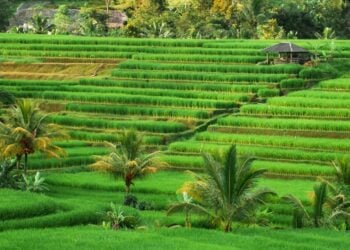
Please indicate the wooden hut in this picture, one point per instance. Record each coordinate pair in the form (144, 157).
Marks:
(288, 53)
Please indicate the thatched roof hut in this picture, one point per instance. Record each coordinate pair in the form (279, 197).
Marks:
(288, 53)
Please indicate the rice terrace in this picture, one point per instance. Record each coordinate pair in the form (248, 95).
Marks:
(175, 124)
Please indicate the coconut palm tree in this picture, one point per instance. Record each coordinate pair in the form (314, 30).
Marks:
(41, 24)
(25, 131)
(253, 13)
(228, 188)
(330, 201)
(300, 214)
(187, 205)
(127, 159)
(339, 201)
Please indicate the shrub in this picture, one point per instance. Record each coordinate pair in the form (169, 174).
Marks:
(321, 72)
(121, 217)
(7, 178)
(130, 200)
(145, 205)
(34, 184)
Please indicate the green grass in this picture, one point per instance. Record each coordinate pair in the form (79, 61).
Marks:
(161, 182)
(299, 112)
(144, 65)
(261, 152)
(277, 141)
(93, 237)
(142, 125)
(288, 124)
(198, 76)
(125, 99)
(19, 204)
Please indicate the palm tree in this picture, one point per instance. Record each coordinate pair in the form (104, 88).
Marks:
(332, 198)
(41, 24)
(127, 159)
(25, 131)
(339, 201)
(342, 168)
(187, 206)
(253, 13)
(300, 214)
(228, 188)
(320, 198)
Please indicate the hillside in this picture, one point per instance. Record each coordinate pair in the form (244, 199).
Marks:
(186, 97)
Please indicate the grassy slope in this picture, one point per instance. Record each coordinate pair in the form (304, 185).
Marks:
(96, 238)
(88, 193)
(80, 198)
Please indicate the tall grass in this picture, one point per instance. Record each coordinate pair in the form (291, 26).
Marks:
(276, 141)
(137, 91)
(335, 84)
(275, 69)
(137, 110)
(75, 54)
(176, 85)
(180, 75)
(321, 95)
(19, 205)
(142, 125)
(126, 99)
(294, 168)
(262, 152)
(292, 124)
(309, 102)
(111, 137)
(128, 48)
(199, 58)
(38, 39)
(298, 112)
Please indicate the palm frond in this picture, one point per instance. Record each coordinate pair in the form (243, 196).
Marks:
(296, 204)
(215, 173)
(320, 191)
(230, 173)
(247, 178)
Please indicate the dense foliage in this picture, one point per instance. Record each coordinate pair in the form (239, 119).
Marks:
(203, 18)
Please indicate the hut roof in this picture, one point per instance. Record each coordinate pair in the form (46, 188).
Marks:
(286, 47)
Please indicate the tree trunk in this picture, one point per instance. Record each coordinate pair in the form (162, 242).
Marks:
(228, 226)
(347, 225)
(316, 222)
(127, 188)
(25, 163)
(107, 2)
(187, 219)
(18, 161)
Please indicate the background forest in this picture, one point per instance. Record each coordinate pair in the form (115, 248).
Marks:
(218, 19)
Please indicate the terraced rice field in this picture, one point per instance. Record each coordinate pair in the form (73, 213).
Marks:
(297, 134)
(164, 98)
(187, 97)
